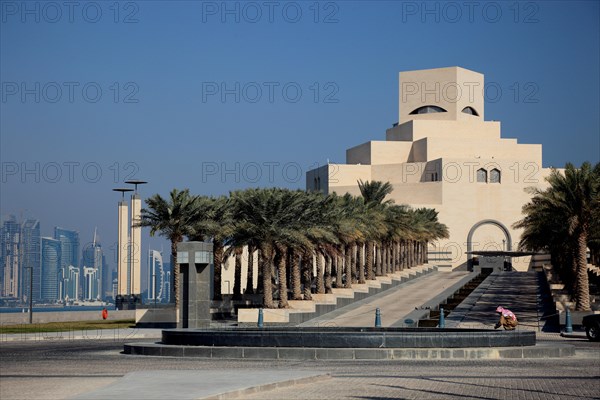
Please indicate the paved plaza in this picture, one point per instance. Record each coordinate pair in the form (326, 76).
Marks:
(55, 369)
(90, 365)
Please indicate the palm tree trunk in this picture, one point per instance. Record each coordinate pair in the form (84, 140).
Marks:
(175, 277)
(282, 274)
(390, 260)
(218, 252)
(384, 259)
(339, 272)
(378, 269)
(296, 276)
(369, 261)
(361, 264)
(574, 267)
(237, 274)
(582, 296)
(353, 262)
(250, 272)
(394, 251)
(266, 261)
(348, 266)
(307, 270)
(260, 283)
(328, 264)
(319, 284)
(404, 256)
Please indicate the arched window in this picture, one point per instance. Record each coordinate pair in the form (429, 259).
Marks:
(482, 175)
(495, 176)
(427, 110)
(470, 110)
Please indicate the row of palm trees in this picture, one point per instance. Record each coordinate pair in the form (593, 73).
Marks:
(345, 239)
(564, 220)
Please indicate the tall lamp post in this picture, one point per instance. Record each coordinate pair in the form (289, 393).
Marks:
(123, 240)
(136, 239)
(30, 268)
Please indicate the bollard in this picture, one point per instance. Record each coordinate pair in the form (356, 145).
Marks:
(568, 322)
(260, 317)
(442, 323)
(378, 318)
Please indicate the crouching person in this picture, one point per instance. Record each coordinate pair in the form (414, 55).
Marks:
(508, 320)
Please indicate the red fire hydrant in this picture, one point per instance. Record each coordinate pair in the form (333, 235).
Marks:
(104, 313)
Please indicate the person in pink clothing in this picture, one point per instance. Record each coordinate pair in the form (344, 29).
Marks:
(507, 319)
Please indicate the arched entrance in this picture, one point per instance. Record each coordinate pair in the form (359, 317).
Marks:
(470, 239)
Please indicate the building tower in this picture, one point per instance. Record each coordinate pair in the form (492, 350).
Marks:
(156, 276)
(443, 154)
(69, 261)
(51, 260)
(93, 258)
(10, 253)
(30, 257)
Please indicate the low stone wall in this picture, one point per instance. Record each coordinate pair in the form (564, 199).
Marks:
(63, 316)
(348, 337)
(156, 318)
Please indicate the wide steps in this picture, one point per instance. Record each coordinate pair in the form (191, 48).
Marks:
(300, 311)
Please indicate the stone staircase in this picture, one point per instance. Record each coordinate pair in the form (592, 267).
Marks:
(521, 292)
(304, 310)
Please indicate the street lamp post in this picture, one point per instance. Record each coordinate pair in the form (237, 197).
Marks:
(135, 231)
(30, 268)
(122, 262)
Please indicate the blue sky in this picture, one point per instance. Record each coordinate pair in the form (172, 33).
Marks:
(140, 90)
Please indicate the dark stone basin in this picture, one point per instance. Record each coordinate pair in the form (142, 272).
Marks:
(335, 337)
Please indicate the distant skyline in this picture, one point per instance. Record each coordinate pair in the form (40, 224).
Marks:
(219, 96)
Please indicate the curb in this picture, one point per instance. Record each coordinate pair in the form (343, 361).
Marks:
(574, 335)
(66, 336)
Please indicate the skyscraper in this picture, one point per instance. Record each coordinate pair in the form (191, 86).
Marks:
(31, 252)
(10, 259)
(92, 258)
(69, 284)
(51, 260)
(69, 243)
(69, 263)
(156, 276)
(90, 283)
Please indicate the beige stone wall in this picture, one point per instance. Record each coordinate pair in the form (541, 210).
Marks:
(419, 129)
(451, 88)
(379, 152)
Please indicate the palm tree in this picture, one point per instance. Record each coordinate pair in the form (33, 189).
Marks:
(213, 221)
(349, 227)
(171, 218)
(373, 194)
(273, 219)
(560, 218)
(430, 229)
